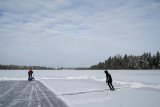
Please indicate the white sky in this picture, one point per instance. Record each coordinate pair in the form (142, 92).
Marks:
(76, 33)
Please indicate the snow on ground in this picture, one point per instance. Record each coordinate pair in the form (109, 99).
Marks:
(88, 88)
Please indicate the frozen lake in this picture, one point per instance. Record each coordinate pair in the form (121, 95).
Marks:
(85, 88)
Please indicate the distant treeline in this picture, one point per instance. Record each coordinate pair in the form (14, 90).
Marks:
(20, 67)
(23, 67)
(145, 61)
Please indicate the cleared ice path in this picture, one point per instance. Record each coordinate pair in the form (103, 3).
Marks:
(27, 94)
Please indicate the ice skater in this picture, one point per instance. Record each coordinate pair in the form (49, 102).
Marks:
(109, 80)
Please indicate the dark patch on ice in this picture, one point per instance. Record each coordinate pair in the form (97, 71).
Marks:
(27, 94)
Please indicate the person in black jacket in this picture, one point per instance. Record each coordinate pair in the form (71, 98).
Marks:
(109, 80)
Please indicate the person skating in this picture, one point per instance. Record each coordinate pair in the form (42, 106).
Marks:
(109, 80)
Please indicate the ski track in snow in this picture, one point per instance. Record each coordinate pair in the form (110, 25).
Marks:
(83, 92)
(90, 91)
(27, 94)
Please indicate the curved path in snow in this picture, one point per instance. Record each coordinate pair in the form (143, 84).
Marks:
(27, 94)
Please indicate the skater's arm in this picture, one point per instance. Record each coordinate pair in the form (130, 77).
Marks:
(107, 78)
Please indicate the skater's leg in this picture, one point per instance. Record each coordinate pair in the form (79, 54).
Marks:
(109, 84)
(112, 85)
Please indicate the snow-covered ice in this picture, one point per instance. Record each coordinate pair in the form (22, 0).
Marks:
(87, 88)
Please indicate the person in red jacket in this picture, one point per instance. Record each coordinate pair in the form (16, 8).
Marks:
(30, 72)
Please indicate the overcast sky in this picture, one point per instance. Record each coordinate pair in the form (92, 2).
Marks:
(76, 33)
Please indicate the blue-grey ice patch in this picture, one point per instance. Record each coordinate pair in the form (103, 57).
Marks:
(27, 94)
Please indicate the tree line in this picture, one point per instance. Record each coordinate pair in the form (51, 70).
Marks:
(21, 67)
(144, 61)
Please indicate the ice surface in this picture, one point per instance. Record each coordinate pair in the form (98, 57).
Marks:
(22, 93)
(87, 88)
